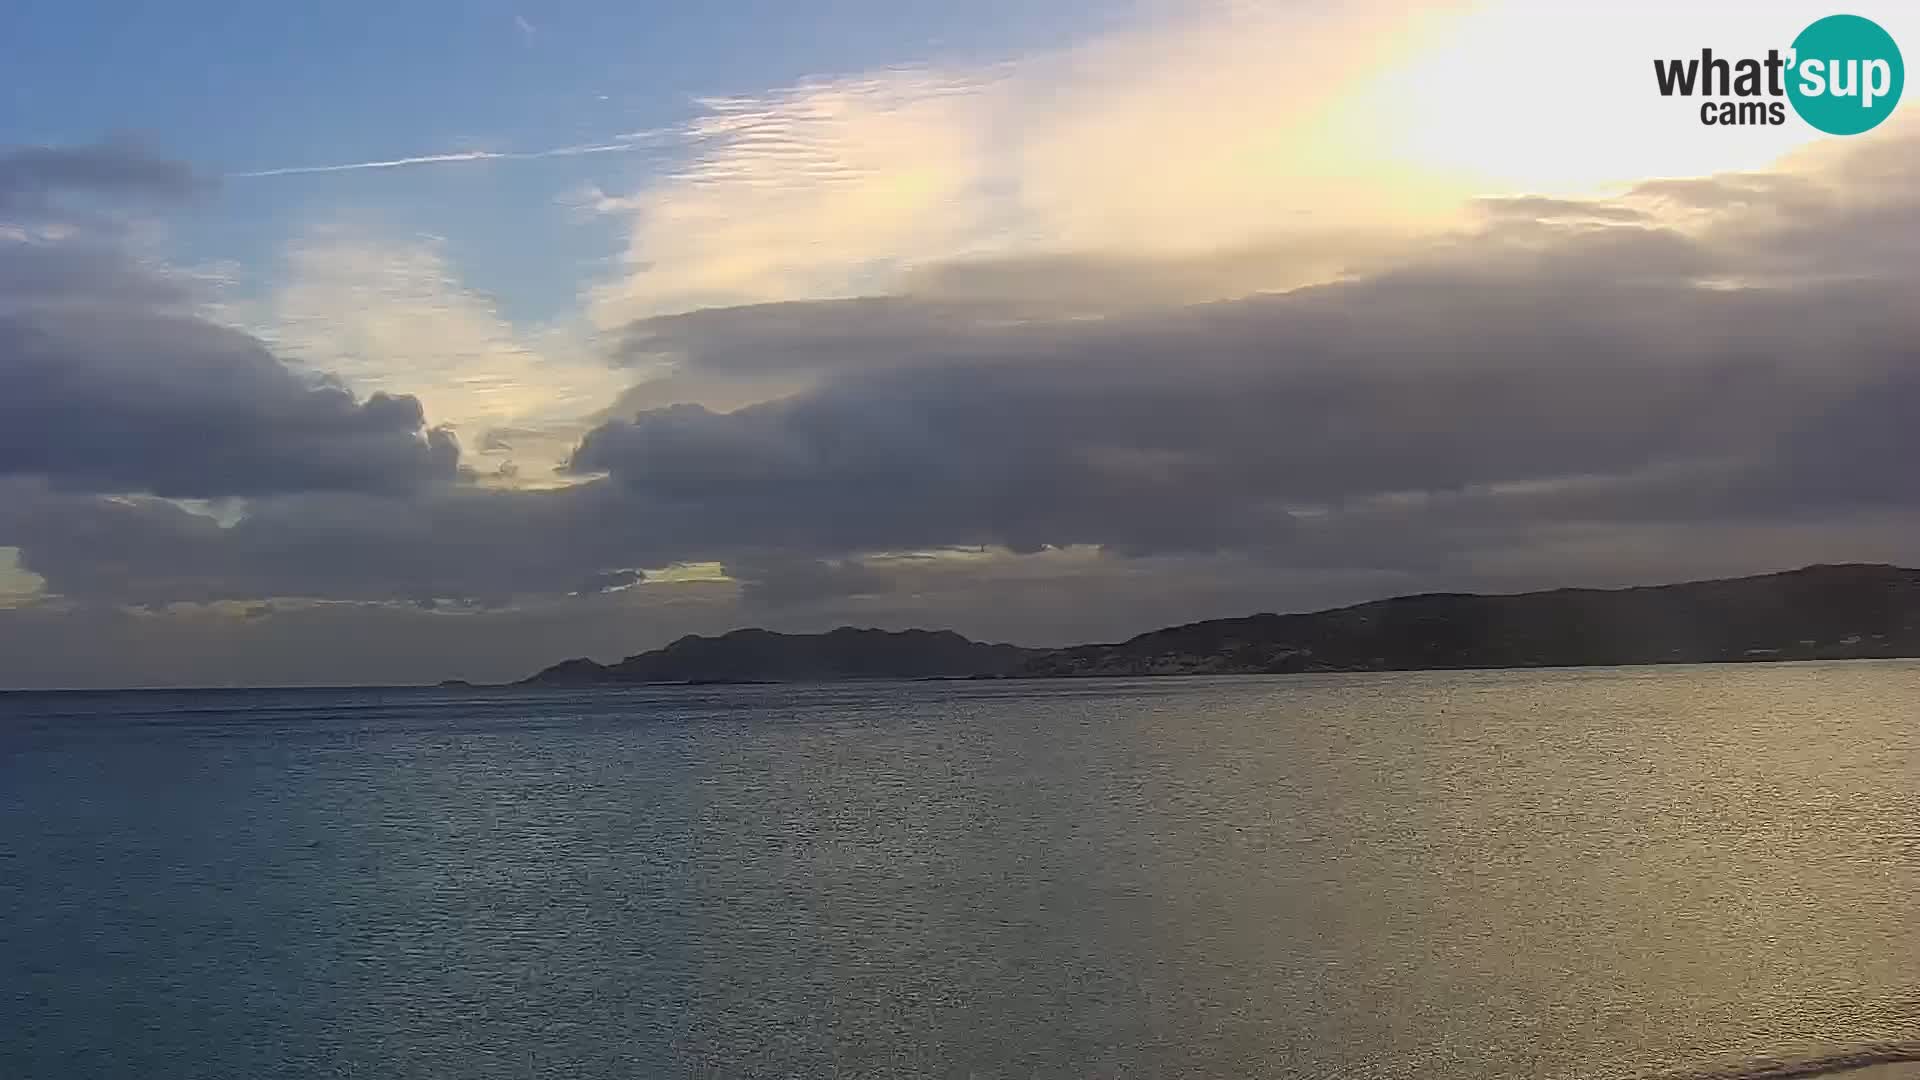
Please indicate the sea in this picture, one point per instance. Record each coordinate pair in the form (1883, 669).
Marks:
(1606, 873)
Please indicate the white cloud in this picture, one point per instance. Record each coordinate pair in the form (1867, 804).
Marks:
(19, 586)
(1219, 126)
(828, 188)
(393, 315)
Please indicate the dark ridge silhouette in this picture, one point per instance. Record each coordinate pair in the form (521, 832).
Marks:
(764, 656)
(1817, 613)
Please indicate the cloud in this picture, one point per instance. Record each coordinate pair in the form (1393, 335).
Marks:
(1133, 332)
(172, 405)
(33, 179)
(1534, 208)
(82, 276)
(729, 357)
(1311, 139)
(457, 543)
(818, 189)
(1170, 141)
(294, 643)
(113, 380)
(1272, 408)
(774, 582)
(1554, 344)
(610, 581)
(391, 315)
(18, 587)
(1585, 388)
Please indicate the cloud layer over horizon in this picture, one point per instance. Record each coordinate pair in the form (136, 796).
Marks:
(1056, 435)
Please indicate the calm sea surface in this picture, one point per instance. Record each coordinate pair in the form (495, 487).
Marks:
(1603, 873)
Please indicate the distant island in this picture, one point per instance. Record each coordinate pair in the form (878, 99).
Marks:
(764, 656)
(1841, 612)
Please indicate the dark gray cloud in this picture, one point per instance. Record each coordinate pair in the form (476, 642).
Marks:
(35, 179)
(1092, 283)
(1738, 345)
(819, 336)
(457, 543)
(144, 401)
(292, 643)
(1544, 208)
(82, 277)
(1215, 429)
(111, 380)
(774, 582)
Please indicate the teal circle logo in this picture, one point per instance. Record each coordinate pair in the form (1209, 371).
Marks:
(1847, 75)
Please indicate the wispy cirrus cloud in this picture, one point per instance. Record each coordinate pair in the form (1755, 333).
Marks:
(1179, 136)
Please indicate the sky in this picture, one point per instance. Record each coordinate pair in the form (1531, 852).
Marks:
(384, 343)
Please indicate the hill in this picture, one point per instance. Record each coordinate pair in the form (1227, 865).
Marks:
(1820, 612)
(764, 656)
(1817, 613)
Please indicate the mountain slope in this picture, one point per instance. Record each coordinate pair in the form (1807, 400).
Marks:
(1821, 612)
(764, 656)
